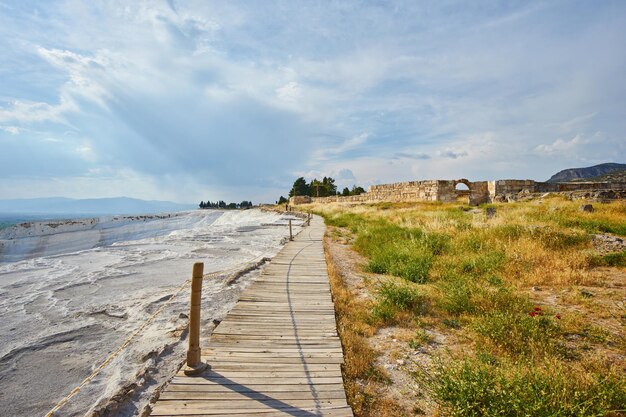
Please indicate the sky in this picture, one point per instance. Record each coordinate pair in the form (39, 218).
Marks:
(205, 100)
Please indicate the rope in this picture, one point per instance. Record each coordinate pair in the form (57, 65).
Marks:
(149, 320)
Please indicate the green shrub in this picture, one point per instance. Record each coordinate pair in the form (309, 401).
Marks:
(482, 264)
(457, 293)
(478, 387)
(347, 220)
(518, 333)
(398, 251)
(509, 231)
(401, 296)
(392, 298)
(554, 239)
(611, 259)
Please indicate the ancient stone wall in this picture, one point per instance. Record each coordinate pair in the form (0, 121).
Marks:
(445, 191)
(556, 187)
(405, 191)
(299, 199)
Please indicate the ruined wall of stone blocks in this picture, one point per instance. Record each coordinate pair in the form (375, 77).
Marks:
(299, 199)
(503, 187)
(479, 193)
(404, 191)
(556, 187)
(361, 198)
(445, 191)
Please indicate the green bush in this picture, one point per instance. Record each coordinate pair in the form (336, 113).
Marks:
(401, 296)
(518, 333)
(554, 239)
(392, 298)
(483, 264)
(611, 259)
(457, 294)
(398, 251)
(475, 387)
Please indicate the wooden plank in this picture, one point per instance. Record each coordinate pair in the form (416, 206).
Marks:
(237, 396)
(251, 388)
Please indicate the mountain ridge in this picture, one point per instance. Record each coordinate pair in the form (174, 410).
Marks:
(577, 174)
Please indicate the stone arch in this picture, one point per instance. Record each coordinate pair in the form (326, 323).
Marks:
(462, 194)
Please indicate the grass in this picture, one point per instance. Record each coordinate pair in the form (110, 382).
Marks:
(476, 387)
(451, 267)
(611, 259)
(396, 302)
(362, 377)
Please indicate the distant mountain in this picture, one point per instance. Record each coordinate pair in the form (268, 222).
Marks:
(577, 174)
(615, 176)
(118, 205)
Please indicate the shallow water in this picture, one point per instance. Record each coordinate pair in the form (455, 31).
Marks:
(72, 292)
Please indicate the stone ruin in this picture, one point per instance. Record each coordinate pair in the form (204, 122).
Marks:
(477, 192)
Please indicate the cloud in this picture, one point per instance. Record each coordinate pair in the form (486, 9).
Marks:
(36, 112)
(452, 153)
(418, 155)
(289, 92)
(14, 130)
(237, 96)
(562, 145)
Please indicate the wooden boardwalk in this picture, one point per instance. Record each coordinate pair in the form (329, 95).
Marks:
(277, 352)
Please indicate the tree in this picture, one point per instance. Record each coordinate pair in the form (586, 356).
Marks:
(202, 205)
(329, 186)
(345, 192)
(315, 191)
(356, 190)
(282, 200)
(300, 187)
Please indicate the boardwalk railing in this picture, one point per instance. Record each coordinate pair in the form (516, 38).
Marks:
(195, 366)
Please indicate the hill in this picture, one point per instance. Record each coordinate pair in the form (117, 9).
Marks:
(615, 176)
(117, 205)
(574, 174)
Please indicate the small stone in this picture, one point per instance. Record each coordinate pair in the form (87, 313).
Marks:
(389, 367)
(490, 212)
(586, 208)
(183, 316)
(394, 340)
(400, 362)
(536, 288)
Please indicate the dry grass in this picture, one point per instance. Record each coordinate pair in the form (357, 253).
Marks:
(521, 295)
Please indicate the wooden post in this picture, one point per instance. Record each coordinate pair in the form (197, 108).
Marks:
(195, 365)
(308, 219)
(290, 233)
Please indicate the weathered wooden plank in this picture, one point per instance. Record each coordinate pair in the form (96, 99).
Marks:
(292, 360)
(339, 411)
(243, 373)
(236, 396)
(262, 388)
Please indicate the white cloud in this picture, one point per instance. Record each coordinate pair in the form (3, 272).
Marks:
(452, 153)
(563, 146)
(241, 95)
(86, 152)
(35, 112)
(289, 92)
(14, 130)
